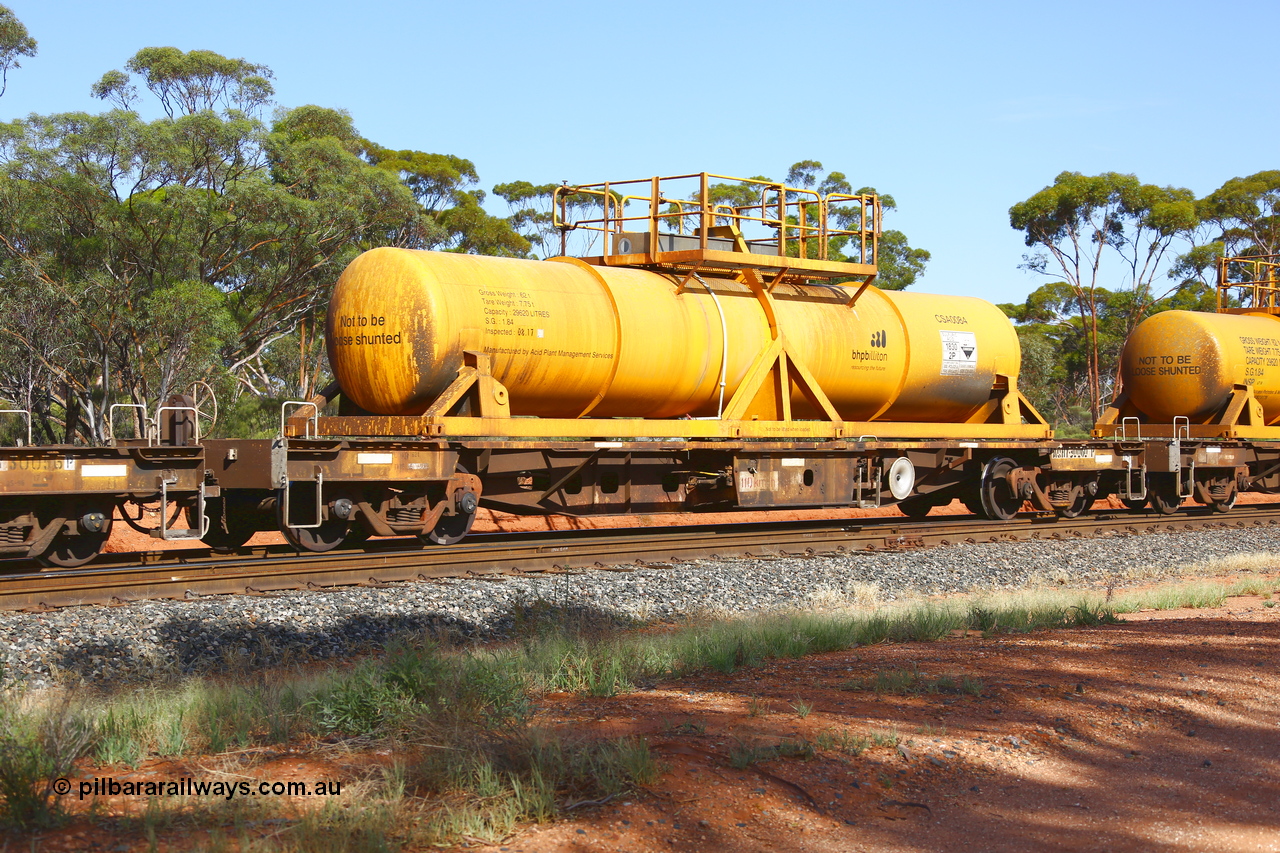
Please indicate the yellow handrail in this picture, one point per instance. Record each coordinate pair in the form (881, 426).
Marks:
(798, 217)
(1256, 278)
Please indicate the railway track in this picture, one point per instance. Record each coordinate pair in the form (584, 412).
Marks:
(193, 573)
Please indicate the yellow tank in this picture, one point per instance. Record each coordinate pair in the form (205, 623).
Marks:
(568, 339)
(1185, 363)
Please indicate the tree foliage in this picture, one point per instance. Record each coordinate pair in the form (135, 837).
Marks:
(455, 220)
(15, 42)
(531, 216)
(1239, 219)
(1246, 212)
(189, 83)
(200, 245)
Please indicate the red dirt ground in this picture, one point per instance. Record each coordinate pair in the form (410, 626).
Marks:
(1162, 733)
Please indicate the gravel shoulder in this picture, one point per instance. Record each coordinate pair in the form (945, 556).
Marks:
(221, 634)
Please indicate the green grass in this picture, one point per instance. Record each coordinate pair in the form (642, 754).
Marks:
(1171, 598)
(370, 816)
(483, 789)
(849, 743)
(1190, 595)
(475, 766)
(37, 747)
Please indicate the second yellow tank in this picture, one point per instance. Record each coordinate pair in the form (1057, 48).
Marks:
(1186, 363)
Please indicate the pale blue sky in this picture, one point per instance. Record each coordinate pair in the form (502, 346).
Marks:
(957, 110)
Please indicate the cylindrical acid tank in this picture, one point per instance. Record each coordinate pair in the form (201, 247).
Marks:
(566, 339)
(1185, 363)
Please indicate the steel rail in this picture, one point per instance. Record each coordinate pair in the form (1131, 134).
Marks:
(197, 572)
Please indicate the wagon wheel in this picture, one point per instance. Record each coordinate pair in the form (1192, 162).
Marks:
(331, 533)
(1134, 504)
(205, 402)
(1162, 489)
(1225, 505)
(998, 499)
(1080, 501)
(69, 550)
(239, 528)
(451, 529)
(326, 537)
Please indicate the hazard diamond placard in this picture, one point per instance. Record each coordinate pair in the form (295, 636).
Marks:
(959, 352)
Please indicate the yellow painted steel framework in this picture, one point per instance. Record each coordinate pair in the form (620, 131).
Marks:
(1257, 284)
(761, 406)
(799, 218)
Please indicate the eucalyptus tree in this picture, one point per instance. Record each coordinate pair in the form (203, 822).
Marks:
(1246, 212)
(186, 83)
(1073, 225)
(1239, 219)
(532, 217)
(899, 264)
(15, 42)
(179, 248)
(454, 218)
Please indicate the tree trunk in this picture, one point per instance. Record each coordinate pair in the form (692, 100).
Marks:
(73, 415)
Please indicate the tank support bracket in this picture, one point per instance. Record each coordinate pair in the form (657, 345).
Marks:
(475, 386)
(1007, 406)
(1243, 409)
(765, 392)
